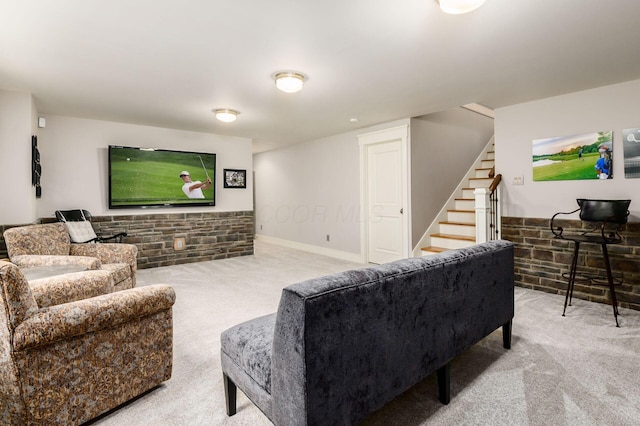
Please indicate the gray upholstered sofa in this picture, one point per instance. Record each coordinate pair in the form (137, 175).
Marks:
(342, 346)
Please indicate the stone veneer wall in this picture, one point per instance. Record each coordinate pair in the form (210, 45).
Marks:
(541, 259)
(208, 235)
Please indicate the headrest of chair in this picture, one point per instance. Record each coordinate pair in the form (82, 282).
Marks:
(614, 211)
(72, 215)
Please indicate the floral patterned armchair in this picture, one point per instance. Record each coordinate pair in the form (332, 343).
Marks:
(69, 363)
(49, 244)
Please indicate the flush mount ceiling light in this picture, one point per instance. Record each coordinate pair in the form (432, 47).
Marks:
(226, 115)
(458, 7)
(289, 81)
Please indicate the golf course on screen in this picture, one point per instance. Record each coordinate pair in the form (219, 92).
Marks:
(146, 177)
(575, 157)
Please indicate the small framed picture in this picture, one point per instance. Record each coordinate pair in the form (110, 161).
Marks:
(234, 178)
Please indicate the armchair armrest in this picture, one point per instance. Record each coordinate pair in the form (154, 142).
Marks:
(108, 253)
(68, 320)
(32, 260)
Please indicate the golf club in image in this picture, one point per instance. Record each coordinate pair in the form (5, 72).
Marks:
(203, 167)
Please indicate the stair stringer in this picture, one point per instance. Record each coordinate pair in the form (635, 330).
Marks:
(425, 240)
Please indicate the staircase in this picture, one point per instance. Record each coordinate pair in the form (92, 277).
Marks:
(459, 229)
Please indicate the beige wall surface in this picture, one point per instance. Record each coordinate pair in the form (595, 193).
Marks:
(614, 108)
(17, 125)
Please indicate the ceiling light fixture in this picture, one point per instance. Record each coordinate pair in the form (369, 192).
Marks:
(226, 115)
(458, 7)
(289, 81)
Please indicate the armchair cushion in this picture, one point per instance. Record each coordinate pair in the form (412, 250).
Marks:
(81, 232)
(71, 287)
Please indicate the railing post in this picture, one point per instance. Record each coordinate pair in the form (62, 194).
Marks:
(483, 210)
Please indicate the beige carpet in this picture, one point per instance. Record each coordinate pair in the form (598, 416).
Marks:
(576, 370)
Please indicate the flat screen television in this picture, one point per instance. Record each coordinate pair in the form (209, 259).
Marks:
(149, 177)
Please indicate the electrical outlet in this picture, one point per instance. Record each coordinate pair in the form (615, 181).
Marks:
(328, 238)
(518, 180)
(179, 243)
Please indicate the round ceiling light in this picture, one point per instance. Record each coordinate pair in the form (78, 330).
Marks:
(289, 81)
(226, 115)
(458, 7)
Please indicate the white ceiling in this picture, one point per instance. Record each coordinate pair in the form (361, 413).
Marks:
(168, 63)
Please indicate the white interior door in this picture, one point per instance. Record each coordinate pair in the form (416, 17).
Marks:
(386, 234)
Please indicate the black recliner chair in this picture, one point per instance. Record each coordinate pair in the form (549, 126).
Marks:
(81, 230)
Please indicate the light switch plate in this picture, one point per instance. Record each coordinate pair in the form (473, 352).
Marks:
(518, 180)
(42, 122)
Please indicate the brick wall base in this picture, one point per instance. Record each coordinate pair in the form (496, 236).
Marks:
(540, 260)
(208, 236)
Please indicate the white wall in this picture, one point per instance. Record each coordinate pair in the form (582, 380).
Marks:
(18, 117)
(606, 108)
(75, 171)
(309, 190)
(444, 146)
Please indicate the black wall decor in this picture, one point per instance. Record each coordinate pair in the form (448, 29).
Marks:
(36, 168)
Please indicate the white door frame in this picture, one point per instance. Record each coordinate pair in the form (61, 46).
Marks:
(400, 133)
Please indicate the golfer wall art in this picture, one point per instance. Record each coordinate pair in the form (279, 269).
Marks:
(574, 157)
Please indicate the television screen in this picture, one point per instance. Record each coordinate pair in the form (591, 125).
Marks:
(149, 177)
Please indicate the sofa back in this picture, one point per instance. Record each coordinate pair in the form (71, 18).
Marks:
(348, 343)
(45, 239)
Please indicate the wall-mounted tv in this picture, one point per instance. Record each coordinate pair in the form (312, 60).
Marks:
(149, 177)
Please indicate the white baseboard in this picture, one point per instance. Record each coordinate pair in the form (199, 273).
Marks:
(337, 254)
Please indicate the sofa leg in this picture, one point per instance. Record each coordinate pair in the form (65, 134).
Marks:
(229, 395)
(444, 383)
(506, 334)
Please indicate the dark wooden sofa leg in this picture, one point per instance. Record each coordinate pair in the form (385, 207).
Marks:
(444, 383)
(506, 334)
(229, 395)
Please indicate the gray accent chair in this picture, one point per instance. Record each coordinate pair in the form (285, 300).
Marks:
(342, 346)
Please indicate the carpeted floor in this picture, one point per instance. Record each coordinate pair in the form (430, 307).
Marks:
(576, 370)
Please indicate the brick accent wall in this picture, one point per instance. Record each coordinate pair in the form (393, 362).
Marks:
(208, 235)
(540, 260)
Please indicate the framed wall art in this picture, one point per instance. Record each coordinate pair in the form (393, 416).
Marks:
(235, 178)
(631, 146)
(574, 157)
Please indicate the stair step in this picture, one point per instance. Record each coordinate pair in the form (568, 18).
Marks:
(468, 216)
(450, 241)
(465, 203)
(483, 172)
(432, 250)
(480, 182)
(468, 193)
(458, 228)
(491, 155)
(487, 163)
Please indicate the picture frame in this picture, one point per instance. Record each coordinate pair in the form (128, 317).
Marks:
(235, 178)
(574, 157)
